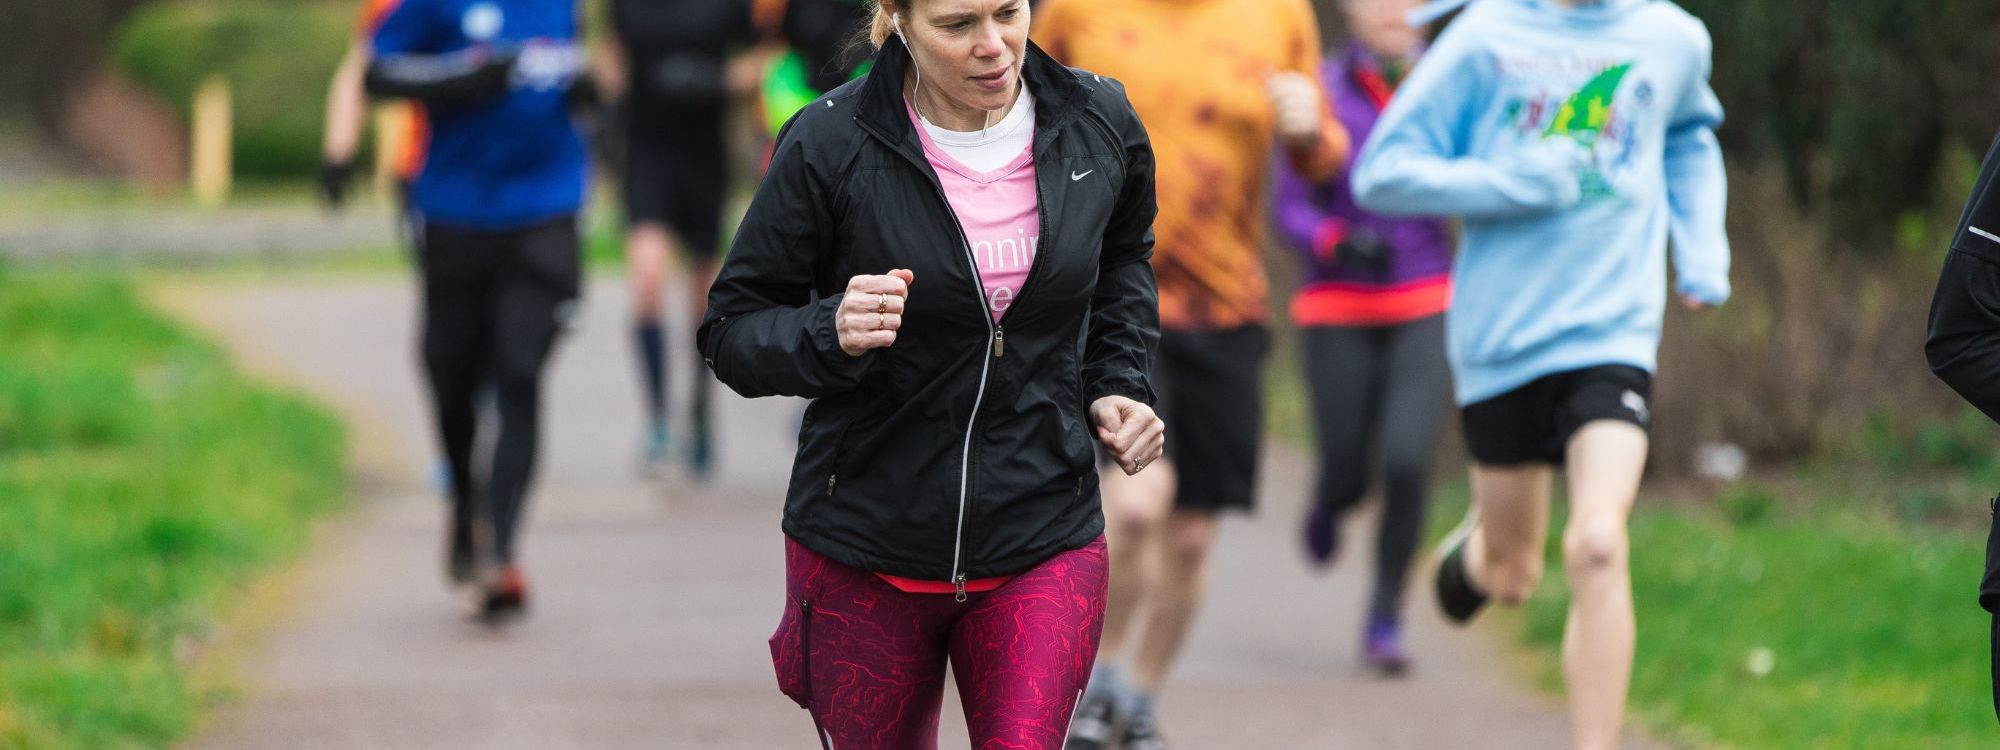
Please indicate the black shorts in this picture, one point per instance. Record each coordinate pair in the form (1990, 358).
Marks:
(676, 175)
(1533, 423)
(1211, 390)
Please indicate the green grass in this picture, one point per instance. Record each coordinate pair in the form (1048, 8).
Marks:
(142, 483)
(1877, 639)
(1858, 575)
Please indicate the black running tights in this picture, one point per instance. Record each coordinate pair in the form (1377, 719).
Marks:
(1379, 392)
(494, 302)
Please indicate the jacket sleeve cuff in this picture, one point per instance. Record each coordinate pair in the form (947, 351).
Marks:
(1136, 391)
(826, 341)
(1711, 293)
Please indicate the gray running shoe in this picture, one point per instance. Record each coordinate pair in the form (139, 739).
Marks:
(1142, 731)
(1094, 723)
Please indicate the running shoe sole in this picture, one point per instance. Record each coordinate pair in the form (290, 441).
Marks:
(502, 607)
(1387, 666)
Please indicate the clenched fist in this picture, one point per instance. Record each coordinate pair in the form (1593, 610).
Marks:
(1297, 103)
(872, 311)
(1130, 430)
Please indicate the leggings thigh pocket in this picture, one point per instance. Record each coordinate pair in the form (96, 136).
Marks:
(790, 647)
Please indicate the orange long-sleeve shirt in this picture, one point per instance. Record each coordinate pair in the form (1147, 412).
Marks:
(1195, 70)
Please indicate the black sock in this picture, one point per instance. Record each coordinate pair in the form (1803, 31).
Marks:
(653, 362)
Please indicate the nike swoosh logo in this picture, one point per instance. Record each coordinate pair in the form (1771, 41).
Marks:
(1074, 176)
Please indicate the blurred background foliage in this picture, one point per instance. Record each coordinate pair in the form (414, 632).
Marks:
(277, 57)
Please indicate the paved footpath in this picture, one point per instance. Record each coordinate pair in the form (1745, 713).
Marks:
(653, 599)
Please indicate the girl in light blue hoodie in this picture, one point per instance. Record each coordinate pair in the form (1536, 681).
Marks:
(1574, 138)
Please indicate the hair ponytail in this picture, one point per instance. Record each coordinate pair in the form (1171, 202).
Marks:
(879, 25)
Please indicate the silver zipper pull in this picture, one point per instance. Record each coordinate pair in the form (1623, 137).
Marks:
(959, 583)
(829, 482)
(999, 342)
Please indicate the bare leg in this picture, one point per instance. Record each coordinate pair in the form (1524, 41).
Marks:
(1605, 462)
(1135, 514)
(1504, 554)
(1175, 594)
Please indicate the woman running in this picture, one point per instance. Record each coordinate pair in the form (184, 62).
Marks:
(943, 501)
(1371, 314)
(1575, 138)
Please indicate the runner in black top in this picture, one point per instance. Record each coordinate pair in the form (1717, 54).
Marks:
(677, 66)
(497, 202)
(1964, 342)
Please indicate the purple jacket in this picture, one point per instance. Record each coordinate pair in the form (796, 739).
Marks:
(1313, 216)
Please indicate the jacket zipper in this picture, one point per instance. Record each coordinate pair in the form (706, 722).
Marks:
(998, 334)
(996, 341)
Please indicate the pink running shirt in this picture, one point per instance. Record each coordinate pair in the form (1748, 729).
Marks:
(996, 205)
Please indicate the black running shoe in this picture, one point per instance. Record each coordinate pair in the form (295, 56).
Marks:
(1455, 593)
(1321, 531)
(1094, 723)
(506, 596)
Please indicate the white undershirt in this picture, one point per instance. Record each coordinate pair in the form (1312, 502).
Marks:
(997, 145)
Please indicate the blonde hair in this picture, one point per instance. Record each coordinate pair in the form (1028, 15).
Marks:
(880, 26)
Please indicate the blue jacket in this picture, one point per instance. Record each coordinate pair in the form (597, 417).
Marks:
(507, 160)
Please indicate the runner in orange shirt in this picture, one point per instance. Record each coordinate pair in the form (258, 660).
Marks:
(1216, 82)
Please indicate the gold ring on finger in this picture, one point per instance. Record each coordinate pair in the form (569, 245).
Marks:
(881, 320)
(881, 303)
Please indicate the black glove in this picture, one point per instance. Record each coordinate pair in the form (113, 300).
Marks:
(333, 179)
(583, 96)
(1365, 250)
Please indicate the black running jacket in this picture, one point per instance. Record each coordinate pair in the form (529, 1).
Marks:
(965, 449)
(1964, 341)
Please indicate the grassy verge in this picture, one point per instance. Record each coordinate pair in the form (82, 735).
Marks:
(1855, 581)
(144, 482)
(1831, 629)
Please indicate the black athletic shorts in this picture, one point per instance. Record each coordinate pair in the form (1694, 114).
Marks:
(1533, 423)
(676, 174)
(1211, 390)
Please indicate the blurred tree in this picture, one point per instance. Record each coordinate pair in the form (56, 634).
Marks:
(1860, 101)
(276, 54)
(47, 49)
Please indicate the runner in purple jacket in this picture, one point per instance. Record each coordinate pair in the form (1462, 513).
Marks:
(1371, 313)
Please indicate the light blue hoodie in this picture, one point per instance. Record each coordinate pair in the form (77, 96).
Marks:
(1573, 143)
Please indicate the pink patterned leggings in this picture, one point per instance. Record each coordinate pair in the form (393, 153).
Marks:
(868, 661)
